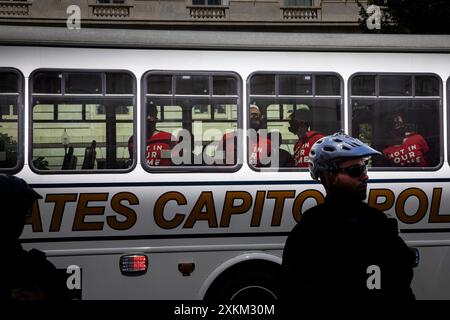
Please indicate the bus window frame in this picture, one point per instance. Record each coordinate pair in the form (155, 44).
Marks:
(20, 121)
(412, 97)
(190, 168)
(102, 95)
(447, 94)
(276, 96)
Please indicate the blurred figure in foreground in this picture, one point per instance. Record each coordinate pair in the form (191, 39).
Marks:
(24, 275)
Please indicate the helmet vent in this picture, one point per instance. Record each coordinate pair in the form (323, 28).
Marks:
(327, 150)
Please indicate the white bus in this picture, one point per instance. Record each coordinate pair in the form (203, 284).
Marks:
(202, 228)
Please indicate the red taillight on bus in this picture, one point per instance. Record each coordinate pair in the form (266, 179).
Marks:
(133, 265)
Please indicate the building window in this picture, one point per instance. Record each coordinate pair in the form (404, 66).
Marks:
(208, 2)
(11, 95)
(208, 9)
(111, 1)
(303, 3)
(111, 9)
(301, 10)
(82, 120)
(15, 8)
(399, 115)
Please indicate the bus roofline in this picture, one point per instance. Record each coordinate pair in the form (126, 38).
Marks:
(221, 40)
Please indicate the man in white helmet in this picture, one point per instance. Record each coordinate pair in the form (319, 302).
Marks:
(343, 249)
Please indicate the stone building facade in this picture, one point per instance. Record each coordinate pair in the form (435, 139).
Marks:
(282, 15)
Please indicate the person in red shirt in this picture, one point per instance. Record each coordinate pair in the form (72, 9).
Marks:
(408, 149)
(228, 145)
(300, 124)
(259, 145)
(159, 143)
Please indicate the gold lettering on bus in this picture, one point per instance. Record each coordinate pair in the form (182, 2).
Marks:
(421, 210)
(206, 201)
(158, 211)
(229, 208)
(280, 198)
(127, 212)
(375, 194)
(258, 209)
(83, 210)
(300, 200)
(58, 210)
(35, 218)
(435, 217)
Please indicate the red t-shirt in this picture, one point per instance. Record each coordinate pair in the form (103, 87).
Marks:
(158, 149)
(303, 146)
(228, 145)
(257, 149)
(410, 154)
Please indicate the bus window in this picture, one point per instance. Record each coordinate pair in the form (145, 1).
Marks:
(363, 85)
(11, 95)
(295, 110)
(448, 112)
(81, 120)
(399, 115)
(188, 119)
(262, 84)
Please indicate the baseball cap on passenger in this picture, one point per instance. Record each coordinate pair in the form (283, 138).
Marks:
(302, 114)
(254, 106)
(11, 186)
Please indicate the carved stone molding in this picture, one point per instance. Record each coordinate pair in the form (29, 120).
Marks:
(302, 13)
(110, 11)
(208, 12)
(15, 8)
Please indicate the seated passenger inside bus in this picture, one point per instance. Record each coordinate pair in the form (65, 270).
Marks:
(158, 143)
(259, 143)
(285, 159)
(406, 148)
(300, 124)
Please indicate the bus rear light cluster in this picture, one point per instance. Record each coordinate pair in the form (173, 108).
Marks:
(133, 265)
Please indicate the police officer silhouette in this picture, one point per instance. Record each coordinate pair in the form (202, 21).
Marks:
(24, 275)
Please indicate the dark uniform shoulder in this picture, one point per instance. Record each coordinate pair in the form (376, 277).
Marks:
(311, 218)
(39, 260)
(309, 226)
(316, 213)
(374, 211)
(38, 254)
(45, 276)
(382, 218)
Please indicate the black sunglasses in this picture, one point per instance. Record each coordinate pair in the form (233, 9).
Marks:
(354, 171)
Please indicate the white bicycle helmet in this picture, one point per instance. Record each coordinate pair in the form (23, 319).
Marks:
(327, 151)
